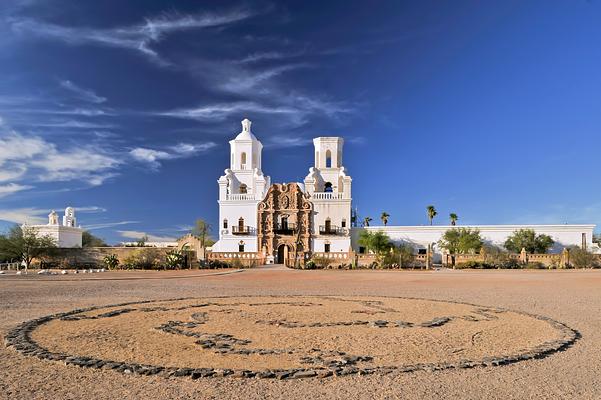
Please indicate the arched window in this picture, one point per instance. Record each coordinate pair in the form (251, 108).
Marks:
(225, 224)
(328, 187)
(241, 224)
(328, 225)
(243, 188)
(328, 159)
(243, 160)
(241, 247)
(284, 222)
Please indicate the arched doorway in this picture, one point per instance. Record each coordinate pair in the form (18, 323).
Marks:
(283, 251)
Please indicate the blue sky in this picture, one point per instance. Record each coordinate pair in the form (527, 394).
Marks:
(488, 109)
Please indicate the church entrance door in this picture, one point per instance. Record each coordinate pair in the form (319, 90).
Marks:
(282, 254)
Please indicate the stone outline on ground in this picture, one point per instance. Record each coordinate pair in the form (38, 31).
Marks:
(19, 338)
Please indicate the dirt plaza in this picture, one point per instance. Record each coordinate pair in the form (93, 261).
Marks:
(272, 332)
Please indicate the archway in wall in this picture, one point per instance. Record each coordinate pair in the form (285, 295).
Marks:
(283, 253)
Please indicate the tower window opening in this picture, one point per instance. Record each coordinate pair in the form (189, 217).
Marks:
(328, 159)
(243, 188)
(225, 224)
(328, 187)
(243, 160)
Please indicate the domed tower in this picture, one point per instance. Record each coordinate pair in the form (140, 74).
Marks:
(69, 217)
(329, 188)
(241, 188)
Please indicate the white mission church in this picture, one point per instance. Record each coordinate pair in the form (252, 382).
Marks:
(278, 221)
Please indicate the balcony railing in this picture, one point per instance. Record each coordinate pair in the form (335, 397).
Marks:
(330, 230)
(241, 230)
(240, 196)
(285, 229)
(327, 196)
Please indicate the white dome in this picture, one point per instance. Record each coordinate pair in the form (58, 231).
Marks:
(246, 133)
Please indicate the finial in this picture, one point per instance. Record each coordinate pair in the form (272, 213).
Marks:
(246, 125)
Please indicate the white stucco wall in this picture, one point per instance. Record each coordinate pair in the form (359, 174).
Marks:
(233, 211)
(64, 236)
(421, 236)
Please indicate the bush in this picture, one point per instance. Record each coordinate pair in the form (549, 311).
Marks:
(474, 265)
(535, 265)
(236, 264)
(310, 265)
(110, 261)
(580, 258)
(174, 259)
(145, 258)
(321, 262)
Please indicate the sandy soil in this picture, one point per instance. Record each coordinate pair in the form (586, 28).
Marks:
(572, 297)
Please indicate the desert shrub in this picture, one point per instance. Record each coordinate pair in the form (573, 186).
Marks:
(580, 258)
(398, 257)
(474, 265)
(174, 259)
(236, 264)
(145, 258)
(310, 265)
(214, 264)
(534, 265)
(321, 262)
(110, 261)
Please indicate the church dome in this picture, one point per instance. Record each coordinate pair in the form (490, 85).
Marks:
(246, 133)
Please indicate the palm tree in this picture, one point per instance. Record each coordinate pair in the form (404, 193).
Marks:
(453, 217)
(366, 221)
(384, 218)
(431, 213)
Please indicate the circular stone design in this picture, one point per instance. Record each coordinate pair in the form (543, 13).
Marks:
(289, 336)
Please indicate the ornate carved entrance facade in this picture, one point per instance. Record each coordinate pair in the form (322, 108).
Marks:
(284, 224)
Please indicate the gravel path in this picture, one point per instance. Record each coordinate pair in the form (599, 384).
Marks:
(572, 297)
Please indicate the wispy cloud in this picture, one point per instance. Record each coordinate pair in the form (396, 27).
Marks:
(296, 108)
(74, 124)
(82, 93)
(221, 111)
(287, 141)
(181, 150)
(138, 37)
(23, 215)
(269, 56)
(12, 188)
(243, 82)
(104, 225)
(42, 161)
(151, 238)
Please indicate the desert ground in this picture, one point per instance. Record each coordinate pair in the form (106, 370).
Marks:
(294, 318)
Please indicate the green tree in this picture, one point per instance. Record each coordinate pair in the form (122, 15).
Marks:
(529, 240)
(401, 256)
(461, 241)
(25, 244)
(384, 217)
(202, 230)
(377, 242)
(453, 218)
(89, 240)
(431, 211)
(366, 221)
